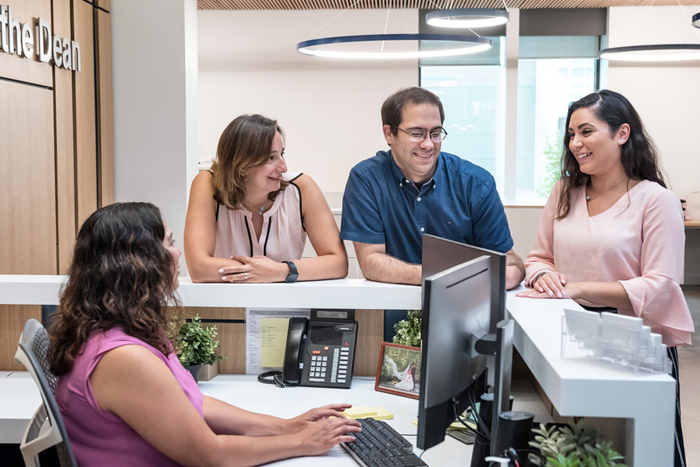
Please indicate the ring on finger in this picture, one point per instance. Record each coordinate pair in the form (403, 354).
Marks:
(245, 276)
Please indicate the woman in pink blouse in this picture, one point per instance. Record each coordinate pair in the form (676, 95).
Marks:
(124, 396)
(248, 222)
(611, 235)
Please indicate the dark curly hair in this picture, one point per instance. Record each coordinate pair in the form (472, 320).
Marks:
(639, 155)
(245, 144)
(120, 275)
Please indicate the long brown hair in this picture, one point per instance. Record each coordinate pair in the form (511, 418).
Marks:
(120, 275)
(245, 144)
(639, 154)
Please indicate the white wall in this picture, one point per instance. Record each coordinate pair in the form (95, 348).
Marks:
(666, 96)
(329, 109)
(155, 103)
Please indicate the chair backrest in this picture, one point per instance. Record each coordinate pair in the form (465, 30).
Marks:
(31, 352)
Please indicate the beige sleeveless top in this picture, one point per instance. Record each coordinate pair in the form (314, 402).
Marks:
(283, 235)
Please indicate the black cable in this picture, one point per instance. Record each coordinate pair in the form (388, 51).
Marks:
(272, 377)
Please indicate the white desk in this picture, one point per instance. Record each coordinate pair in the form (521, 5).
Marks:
(585, 387)
(21, 398)
(246, 392)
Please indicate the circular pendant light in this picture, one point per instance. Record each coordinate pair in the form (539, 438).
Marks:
(467, 18)
(324, 47)
(653, 53)
(696, 20)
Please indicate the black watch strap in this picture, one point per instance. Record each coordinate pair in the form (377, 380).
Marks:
(293, 273)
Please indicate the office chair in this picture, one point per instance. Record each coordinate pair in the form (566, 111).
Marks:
(31, 352)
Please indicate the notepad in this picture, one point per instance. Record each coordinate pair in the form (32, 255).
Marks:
(362, 411)
(273, 337)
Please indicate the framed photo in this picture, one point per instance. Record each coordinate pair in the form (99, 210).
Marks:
(398, 371)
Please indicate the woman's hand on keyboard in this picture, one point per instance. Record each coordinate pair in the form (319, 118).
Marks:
(320, 436)
(302, 421)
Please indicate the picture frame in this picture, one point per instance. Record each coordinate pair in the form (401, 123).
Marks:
(398, 370)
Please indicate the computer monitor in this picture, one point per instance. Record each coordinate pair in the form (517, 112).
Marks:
(456, 314)
(464, 333)
(440, 254)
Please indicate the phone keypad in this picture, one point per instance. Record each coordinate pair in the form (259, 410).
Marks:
(317, 371)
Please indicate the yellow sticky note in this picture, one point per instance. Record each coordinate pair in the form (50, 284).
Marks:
(273, 337)
(361, 411)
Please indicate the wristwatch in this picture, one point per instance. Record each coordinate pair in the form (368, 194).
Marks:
(293, 273)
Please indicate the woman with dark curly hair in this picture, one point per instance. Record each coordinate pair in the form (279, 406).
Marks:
(124, 396)
(611, 235)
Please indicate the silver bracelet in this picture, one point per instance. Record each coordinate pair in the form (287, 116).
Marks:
(540, 274)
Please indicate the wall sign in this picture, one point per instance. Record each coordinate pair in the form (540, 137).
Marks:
(21, 40)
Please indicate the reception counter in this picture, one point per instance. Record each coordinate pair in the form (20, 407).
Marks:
(356, 294)
(575, 386)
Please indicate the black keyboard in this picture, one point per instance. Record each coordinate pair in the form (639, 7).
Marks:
(379, 445)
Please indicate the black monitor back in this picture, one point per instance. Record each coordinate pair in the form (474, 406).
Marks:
(456, 314)
(440, 254)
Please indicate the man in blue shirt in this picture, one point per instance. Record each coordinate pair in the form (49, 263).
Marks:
(395, 197)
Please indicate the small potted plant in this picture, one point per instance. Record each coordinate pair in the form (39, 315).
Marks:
(408, 330)
(197, 345)
(572, 445)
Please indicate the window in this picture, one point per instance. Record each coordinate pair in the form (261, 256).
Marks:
(553, 71)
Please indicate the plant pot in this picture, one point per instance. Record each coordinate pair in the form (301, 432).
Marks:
(194, 369)
(207, 372)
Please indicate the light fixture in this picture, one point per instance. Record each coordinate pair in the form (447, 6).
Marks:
(465, 45)
(653, 53)
(467, 18)
(696, 20)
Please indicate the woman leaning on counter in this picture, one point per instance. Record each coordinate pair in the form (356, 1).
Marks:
(247, 222)
(611, 235)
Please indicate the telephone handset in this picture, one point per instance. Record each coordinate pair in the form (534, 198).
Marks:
(319, 351)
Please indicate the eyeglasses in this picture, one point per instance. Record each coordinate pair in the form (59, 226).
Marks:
(418, 136)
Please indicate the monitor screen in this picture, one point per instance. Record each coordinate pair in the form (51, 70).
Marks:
(456, 314)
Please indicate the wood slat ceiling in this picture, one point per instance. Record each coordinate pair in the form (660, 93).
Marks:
(423, 4)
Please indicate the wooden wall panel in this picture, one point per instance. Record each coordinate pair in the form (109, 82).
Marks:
(85, 128)
(27, 181)
(104, 4)
(232, 338)
(370, 334)
(19, 68)
(105, 108)
(65, 147)
(12, 319)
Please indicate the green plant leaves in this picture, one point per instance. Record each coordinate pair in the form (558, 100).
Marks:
(574, 445)
(197, 345)
(408, 330)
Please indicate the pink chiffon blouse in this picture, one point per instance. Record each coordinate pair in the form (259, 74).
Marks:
(638, 242)
(282, 237)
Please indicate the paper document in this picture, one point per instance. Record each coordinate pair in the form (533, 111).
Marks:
(273, 335)
(266, 336)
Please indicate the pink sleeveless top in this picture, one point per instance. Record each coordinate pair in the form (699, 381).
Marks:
(101, 438)
(282, 237)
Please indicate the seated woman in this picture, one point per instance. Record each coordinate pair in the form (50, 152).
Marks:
(246, 222)
(124, 396)
(611, 235)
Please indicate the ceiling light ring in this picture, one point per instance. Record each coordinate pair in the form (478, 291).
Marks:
(477, 17)
(627, 53)
(478, 44)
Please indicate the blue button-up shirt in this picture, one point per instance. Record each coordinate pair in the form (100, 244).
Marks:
(460, 203)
